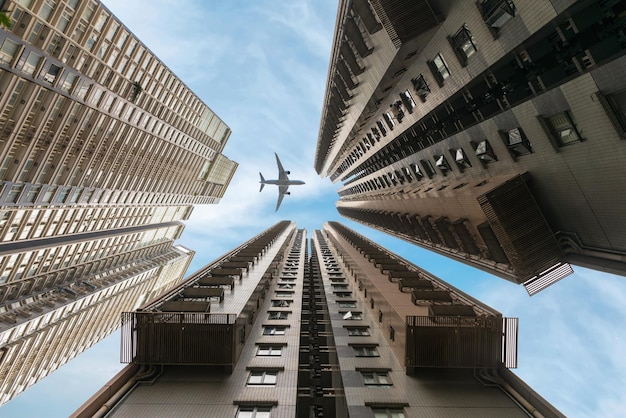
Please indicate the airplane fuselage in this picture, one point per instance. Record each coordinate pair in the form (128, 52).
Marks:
(283, 182)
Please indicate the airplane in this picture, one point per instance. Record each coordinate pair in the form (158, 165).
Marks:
(283, 182)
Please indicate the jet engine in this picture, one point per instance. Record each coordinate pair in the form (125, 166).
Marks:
(287, 172)
(289, 193)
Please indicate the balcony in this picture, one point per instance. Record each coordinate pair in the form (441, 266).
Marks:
(184, 338)
(460, 342)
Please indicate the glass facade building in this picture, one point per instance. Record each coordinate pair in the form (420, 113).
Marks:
(103, 153)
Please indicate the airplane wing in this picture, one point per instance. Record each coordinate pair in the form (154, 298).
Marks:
(282, 174)
(281, 193)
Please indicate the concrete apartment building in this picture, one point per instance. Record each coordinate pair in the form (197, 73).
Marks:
(331, 326)
(492, 131)
(103, 153)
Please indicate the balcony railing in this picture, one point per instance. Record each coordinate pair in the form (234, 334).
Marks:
(178, 338)
(461, 342)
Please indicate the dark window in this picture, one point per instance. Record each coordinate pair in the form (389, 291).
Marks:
(421, 87)
(561, 129)
(442, 164)
(389, 119)
(496, 13)
(428, 168)
(439, 68)
(615, 106)
(460, 158)
(392, 334)
(484, 152)
(408, 101)
(463, 45)
(52, 73)
(516, 142)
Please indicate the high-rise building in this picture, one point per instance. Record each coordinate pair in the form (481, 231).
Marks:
(103, 152)
(491, 132)
(334, 326)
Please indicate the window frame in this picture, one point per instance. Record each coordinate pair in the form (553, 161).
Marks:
(362, 331)
(278, 315)
(271, 350)
(278, 330)
(366, 350)
(463, 45)
(379, 378)
(255, 412)
(268, 377)
(555, 133)
(437, 65)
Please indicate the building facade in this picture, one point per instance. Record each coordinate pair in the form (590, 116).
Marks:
(491, 132)
(334, 326)
(103, 153)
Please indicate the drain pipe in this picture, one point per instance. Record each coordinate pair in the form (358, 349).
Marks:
(108, 405)
(511, 391)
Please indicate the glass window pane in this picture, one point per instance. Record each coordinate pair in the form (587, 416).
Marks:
(8, 50)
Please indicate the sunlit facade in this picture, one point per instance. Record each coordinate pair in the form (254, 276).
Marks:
(491, 132)
(103, 153)
(327, 326)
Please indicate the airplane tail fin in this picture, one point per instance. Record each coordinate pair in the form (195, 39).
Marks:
(262, 184)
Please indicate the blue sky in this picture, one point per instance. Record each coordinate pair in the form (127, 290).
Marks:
(261, 65)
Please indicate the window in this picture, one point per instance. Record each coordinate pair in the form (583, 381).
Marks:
(562, 129)
(347, 304)
(358, 331)
(421, 87)
(442, 164)
(262, 378)
(615, 107)
(52, 73)
(278, 315)
(428, 168)
(281, 303)
(352, 316)
(463, 45)
(388, 412)
(343, 294)
(392, 333)
(460, 158)
(408, 101)
(271, 330)
(484, 152)
(269, 350)
(7, 51)
(253, 412)
(70, 78)
(30, 64)
(365, 351)
(496, 13)
(389, 119)
(379, 378)
(516, 142)
(284, 294)
(439, 68)
(285, 286)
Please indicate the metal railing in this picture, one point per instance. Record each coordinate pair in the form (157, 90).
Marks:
(178, 338)
(461, 342)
